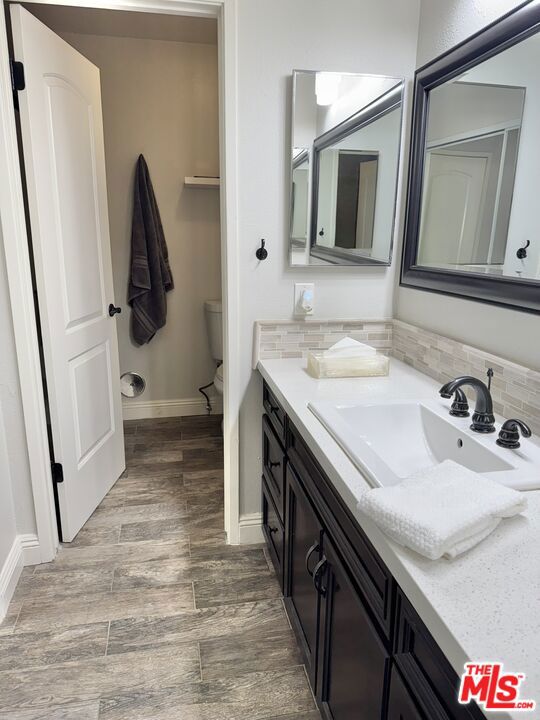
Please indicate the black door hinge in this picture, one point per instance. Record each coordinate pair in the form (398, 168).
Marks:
(17, 75)
(57, 472)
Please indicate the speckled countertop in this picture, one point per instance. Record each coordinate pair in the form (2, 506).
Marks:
(484, 605)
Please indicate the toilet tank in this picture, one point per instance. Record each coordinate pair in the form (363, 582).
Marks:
(214, 327)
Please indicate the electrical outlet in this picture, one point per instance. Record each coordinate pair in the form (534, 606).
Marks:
(304, 299)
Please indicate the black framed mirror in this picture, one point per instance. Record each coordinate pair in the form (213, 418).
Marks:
(473, 205)
(345, 149)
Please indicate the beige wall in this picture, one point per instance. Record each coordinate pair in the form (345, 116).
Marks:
(509, 333)
(275, 36)
(160, 98)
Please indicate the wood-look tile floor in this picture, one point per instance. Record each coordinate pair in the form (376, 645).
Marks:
(148, 614)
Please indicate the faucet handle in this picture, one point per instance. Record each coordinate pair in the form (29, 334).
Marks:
(460, 406)
(509, 433)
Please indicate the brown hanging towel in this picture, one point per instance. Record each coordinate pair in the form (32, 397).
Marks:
(151, 277)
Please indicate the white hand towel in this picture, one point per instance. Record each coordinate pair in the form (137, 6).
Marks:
(443, 510)
(348, 347)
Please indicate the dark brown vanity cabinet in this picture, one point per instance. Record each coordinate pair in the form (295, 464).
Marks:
(304, 543)
(367, 653)
(353, 660)
(345, 658)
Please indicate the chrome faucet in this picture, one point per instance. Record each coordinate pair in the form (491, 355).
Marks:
(483, 420)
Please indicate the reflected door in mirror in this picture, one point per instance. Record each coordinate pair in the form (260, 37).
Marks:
(469, 173)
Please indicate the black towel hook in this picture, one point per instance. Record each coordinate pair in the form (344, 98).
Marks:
(522, 252)
(262, 252)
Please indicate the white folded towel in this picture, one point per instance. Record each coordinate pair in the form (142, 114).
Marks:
(441, 511)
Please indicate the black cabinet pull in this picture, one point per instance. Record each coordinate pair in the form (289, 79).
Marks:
(273, 530)
(274, 464)
(274, 408)
(113, 310)
(310, 552)
(319, 567)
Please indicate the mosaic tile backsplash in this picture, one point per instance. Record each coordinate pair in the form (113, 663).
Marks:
(295, 339)
(515, 389)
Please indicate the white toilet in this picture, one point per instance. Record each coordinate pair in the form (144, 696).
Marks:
(214, 327)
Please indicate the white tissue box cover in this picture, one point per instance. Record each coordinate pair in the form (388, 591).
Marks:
(366, 365)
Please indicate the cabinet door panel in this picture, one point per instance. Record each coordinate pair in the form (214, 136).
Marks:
(401, 705)
(353, 661)
(273, 533)
(426, 669)
(275, 412)
(304, 535)
(273, 464)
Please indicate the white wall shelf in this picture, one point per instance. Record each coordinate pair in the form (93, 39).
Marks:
(202, 182)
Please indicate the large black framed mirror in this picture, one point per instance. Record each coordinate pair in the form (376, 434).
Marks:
(473, 205)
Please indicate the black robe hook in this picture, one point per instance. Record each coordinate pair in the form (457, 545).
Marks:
(522, 252)
(262, 252)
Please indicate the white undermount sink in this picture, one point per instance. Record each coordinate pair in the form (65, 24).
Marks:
(390, 441)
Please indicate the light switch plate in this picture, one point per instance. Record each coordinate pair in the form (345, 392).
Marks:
(304, 299)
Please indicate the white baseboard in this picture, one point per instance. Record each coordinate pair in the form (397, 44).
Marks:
(142, 409)
(251, 529)
(24, 551)
(31, 551)
(9, 575)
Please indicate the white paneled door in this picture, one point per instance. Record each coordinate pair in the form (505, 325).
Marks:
(62, 134)
(452, 208)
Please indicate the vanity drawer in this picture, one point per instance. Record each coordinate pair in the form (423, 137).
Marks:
(273, 465)
(424, 666)
(273, 532)
(275, 412)
(372, 576)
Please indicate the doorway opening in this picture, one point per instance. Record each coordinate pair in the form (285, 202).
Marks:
(158, 92)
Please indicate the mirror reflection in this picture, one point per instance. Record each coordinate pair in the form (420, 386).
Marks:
(300, 197)
(344, 164)
(481, 173)
(355, 173)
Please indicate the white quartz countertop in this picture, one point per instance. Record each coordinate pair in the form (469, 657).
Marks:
(482, 606)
